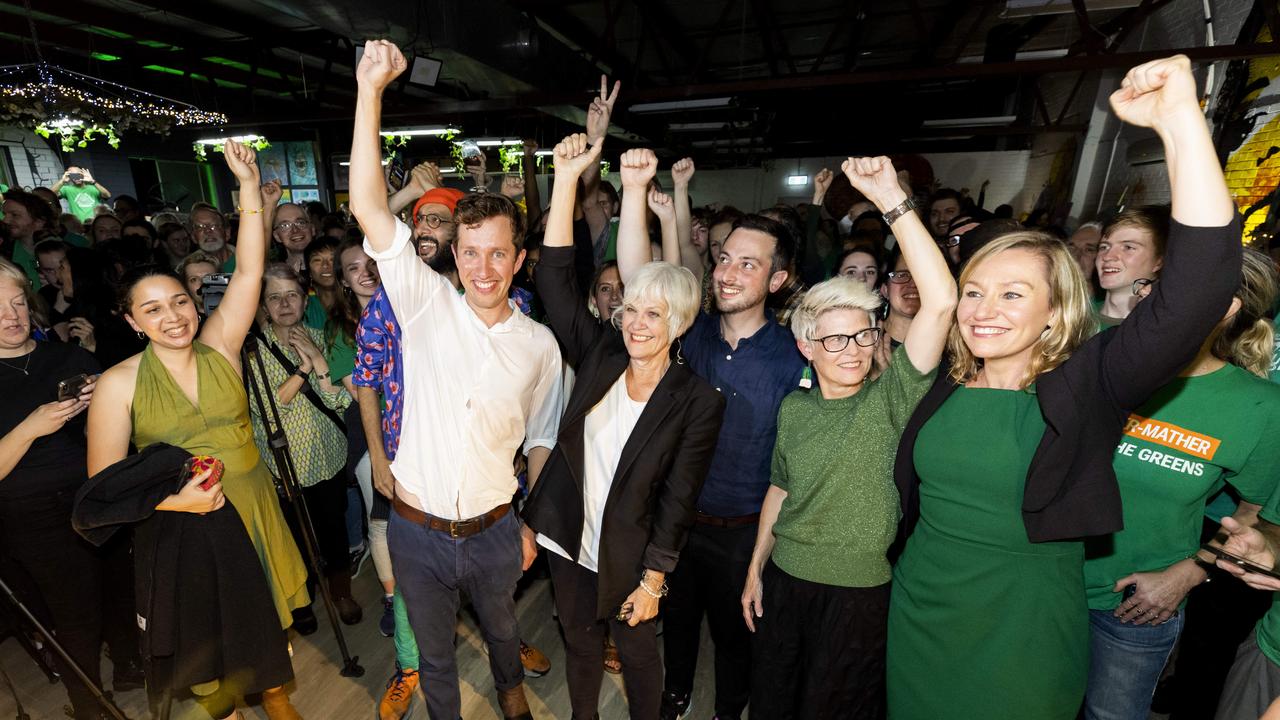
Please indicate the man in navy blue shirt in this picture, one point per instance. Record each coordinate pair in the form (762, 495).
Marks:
(754, 362)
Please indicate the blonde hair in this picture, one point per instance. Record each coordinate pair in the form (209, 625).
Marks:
(662, 282)
(1248, 340)
(838, 293)
(35, 304)
(1068, 297)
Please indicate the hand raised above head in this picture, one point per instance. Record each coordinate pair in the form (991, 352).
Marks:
(682, 172)
(601, 109)
(822, 180)
(573, 155)
(639, 166)
(1154, 92)
(874, 177)
(381, 63)
(242, 160)
(661, 204)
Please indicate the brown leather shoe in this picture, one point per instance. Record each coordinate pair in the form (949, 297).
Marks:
(535, 662)
(276, 702)
(513, 704)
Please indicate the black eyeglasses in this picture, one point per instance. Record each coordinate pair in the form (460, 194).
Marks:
(1141, 286)
(950, 242)
(432, 220)
(863, 338)
(898, 277)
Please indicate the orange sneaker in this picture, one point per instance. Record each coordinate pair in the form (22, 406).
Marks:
(398, 699)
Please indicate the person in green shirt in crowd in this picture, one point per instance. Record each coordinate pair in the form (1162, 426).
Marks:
(817, 590)
(28, 219)
(325, 292)
(1219, 421)
(67, 225)
(82, 192)
(1253, 683)
(1132, 248)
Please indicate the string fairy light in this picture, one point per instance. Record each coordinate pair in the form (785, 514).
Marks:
(33, 94)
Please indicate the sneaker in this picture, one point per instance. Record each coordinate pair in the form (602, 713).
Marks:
(674, 706)
(358, 558)
(387, 624)
(398, 699)
(534, 661)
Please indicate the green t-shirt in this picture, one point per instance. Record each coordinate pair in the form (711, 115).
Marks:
(314, 314)
(27, 261)
(1179, 447)
(75, 239)
(82, 199)
(341, 357)
(1268, 628)
(1274, 374)
(835, 460)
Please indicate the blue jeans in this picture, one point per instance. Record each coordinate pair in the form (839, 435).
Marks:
(432, 572)
(1124, 665)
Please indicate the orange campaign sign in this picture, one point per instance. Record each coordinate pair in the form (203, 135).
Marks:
(1172, 436)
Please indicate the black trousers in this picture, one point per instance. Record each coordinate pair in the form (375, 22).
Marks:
(820, 650)
(575, 594)
(709, 579)
(327, 503)
(88, 590)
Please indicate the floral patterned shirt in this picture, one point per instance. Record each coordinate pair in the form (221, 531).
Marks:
(378, 365)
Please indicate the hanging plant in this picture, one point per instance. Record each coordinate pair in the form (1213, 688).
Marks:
(392, 144)
(604, 168)
(459, 162)
(509, 156)
(202, 149)
(74, 134)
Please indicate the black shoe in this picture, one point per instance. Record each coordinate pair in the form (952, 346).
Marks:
(304, 621)
(675, 706)
(127, 676)
(348, 611)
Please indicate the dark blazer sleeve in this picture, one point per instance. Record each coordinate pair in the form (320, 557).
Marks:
(1201, 273)
(557, 285)
(678, 499)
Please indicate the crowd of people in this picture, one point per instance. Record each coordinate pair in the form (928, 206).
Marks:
(905, 456)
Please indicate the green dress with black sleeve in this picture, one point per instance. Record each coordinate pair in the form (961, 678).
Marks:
(983, 623)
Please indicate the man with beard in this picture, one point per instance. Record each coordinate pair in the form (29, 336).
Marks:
(211, 234)
(754, 362)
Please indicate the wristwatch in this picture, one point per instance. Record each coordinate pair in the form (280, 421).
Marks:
(1204, 565)
(903, 208)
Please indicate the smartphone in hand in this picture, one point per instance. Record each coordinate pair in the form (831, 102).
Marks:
(70, 388)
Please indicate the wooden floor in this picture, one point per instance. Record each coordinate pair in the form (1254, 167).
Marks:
(321, 693)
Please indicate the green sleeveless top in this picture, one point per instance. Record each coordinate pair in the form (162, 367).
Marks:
(218, 425)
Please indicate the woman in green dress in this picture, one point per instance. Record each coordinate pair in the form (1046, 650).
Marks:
(186, 390)
(1008, 459)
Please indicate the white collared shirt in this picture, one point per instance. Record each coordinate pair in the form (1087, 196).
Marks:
(472, 394)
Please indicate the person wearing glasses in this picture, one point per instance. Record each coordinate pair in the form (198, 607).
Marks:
(1007, 462)
(817, 591)
(901, 296)
(292, 228)
(1217, 422)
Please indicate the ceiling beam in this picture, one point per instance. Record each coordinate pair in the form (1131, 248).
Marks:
(766, 42)
(944, 27)
(668, 29)
(583, 39)
(705, 47)
(895, 75)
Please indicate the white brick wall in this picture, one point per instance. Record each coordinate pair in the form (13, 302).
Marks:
(34, 162)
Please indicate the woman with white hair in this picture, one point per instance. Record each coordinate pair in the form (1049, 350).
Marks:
(817, 591)
(617, 496)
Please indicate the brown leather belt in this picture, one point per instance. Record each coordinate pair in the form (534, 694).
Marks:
(727, 522)
(454, 528)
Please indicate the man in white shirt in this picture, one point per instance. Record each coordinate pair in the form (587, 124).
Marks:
(480, 380)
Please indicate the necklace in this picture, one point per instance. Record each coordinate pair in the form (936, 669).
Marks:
(24, 367)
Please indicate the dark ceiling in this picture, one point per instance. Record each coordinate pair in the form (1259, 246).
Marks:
(790, 77)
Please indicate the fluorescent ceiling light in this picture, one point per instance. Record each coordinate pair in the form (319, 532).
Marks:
(491, 142)
(225, 140)
(797, 180)
(1024, 8)
(347, 163)
(65, 122)
(545, 153)
(674, 105)
(1050, 54)
(695, 126)
(989, 121)
(420, 131)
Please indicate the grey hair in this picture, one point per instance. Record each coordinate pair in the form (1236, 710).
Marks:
(838, 293)
(662, 282)
(281, 271)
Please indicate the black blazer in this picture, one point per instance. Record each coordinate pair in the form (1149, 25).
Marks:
(1071, 489)
(651, 503)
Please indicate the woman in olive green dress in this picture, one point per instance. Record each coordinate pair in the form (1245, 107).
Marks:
(186, 390)
(1008, 459)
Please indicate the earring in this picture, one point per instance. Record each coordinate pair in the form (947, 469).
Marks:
(141, 335)
(806, 379)
(679, 353)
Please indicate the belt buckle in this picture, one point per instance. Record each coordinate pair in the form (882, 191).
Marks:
(456, 527)
(453, 529)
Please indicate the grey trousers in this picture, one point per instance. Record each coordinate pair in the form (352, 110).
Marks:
(1252, 685)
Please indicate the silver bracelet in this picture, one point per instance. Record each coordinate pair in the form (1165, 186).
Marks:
(903, 208)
